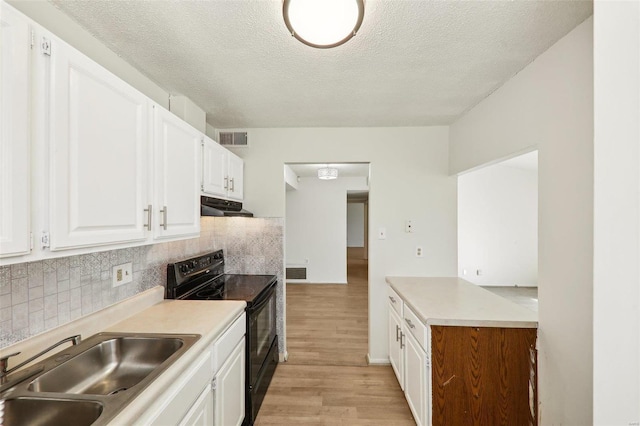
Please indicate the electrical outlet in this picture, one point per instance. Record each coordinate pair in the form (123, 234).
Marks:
(122, 274)
(408, 226)
(419, 251)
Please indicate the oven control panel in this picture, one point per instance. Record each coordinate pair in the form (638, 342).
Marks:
(179, 272)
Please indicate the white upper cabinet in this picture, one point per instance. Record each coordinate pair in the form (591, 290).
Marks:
(97, 143)
(214, 172)
(14, 133)
(176, 176)
(236, 177)
(223, 172)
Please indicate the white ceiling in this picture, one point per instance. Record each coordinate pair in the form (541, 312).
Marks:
(344, 169)
(412, 63)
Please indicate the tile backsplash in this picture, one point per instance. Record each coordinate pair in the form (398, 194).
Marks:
(38, 296)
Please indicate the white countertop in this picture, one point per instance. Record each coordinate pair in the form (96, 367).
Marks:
(454, 301)
(147, 312)
(205, 317)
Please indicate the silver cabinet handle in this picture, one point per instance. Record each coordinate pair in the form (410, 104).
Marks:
(408, 321)
(164, 218)
(226, 182)
(393, 299)
(233, 185)
(401, 340)
(149, 215)
(397, 333)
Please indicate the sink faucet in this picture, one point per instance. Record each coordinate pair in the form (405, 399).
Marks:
(4, 361)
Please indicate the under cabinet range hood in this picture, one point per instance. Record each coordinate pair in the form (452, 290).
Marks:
(210, 206)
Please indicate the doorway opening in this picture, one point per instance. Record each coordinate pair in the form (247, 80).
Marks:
(498, 228)
(326, 256)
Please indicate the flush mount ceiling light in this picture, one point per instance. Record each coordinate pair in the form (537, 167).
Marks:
(323, 23)
(327, 173)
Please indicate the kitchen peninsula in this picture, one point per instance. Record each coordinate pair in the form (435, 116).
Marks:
(462, 354)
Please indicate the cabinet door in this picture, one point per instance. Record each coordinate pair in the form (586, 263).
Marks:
(415, 386)
(177, 148)
(201, 413)
(236, 177)
(395, 342)
(230, 389)
(214, 172)
(98, 134)
(14, 133)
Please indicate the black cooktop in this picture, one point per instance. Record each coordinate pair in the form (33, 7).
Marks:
(203, 278)
(234, 287)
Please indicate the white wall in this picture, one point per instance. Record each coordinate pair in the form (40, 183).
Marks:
(616, 333)
(498, 226)
(355, 224)
(549, 104)
(316, 224)
(409, 180)
(187, 110)
(46, 14)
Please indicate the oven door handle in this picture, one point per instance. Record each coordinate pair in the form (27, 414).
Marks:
(263, 301)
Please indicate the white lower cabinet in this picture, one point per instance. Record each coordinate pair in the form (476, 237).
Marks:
(395, 346)
(201, 413)
(229, 391)
(410, 357)
(415, 385)
(211, 391)
(173, 406)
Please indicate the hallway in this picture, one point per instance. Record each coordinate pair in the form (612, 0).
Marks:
(326, 380)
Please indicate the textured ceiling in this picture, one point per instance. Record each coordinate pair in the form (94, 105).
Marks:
(412, 63)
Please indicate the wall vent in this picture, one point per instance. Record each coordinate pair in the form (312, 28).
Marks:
(297, 273)
(233, 138)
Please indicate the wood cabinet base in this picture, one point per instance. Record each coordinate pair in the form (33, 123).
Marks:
(484, 376)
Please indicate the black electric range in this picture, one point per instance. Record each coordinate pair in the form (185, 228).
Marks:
(203, 278)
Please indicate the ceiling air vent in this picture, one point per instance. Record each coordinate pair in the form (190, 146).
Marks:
(233, 138)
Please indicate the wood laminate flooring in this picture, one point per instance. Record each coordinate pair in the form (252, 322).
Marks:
(326, 380)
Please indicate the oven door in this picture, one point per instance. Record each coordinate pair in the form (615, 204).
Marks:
(261, 331)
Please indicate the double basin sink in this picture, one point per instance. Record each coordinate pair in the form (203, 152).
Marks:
(89, 383)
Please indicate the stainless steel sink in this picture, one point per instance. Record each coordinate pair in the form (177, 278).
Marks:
(90, 383)
(38, 411)
(111, 366)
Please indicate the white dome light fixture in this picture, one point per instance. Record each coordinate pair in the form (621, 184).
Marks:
(328, 173)
(323, 23)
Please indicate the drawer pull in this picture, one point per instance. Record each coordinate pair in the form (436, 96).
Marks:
(408, 321)
(393, 299)
(401, 340)
(397, 333)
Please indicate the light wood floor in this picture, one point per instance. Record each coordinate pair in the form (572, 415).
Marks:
(326, 380)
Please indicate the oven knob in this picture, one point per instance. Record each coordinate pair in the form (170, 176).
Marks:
(194, 264)
(184, 269)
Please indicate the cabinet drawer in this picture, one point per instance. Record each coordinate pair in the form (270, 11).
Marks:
(223, 347)
(415, 326)
(395, 301)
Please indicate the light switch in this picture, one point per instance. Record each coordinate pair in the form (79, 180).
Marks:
(382, 233)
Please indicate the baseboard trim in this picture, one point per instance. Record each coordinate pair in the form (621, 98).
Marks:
(283, 356)
(377, 361)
